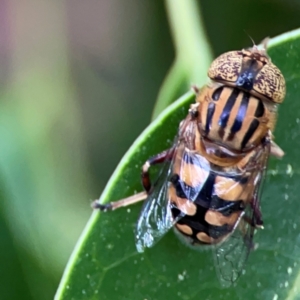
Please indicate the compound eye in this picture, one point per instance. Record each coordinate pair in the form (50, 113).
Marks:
(250, 70)
(270, 83)
(226, 68)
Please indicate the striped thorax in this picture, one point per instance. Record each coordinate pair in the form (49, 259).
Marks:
(234, 118)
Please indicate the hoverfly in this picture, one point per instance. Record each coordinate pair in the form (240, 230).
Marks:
(208, 190)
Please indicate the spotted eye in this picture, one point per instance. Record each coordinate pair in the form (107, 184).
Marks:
(250, 70)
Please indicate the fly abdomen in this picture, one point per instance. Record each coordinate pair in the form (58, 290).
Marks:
(212, 210)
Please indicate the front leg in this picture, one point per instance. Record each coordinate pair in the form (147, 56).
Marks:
(257, 215)
(157, 159)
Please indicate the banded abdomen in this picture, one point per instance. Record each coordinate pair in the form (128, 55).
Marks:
(211, 201)
(234, 118)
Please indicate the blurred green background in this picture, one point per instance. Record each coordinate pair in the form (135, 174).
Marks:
(79, 81)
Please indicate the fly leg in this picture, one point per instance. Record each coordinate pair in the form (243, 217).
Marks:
(276, 150)
(159, 158)
(121, 203)
(257, 220)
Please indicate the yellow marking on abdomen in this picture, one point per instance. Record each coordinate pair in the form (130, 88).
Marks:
(184, 229)
(184, 205)
(217, 219)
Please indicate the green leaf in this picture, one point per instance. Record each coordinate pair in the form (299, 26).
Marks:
(105, 264)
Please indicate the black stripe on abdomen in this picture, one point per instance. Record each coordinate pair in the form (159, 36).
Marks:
(204, 196)
(198, 224)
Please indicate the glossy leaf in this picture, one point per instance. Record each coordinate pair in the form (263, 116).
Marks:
(105, 264)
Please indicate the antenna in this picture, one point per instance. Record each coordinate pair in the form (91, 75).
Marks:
(254, 45)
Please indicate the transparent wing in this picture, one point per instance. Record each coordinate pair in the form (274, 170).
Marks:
(231, 254)
(193, 171)
(156, 217)
(171, 189)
